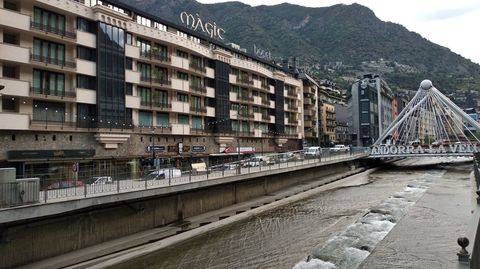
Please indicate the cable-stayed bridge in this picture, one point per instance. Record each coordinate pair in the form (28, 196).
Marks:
(430, 125)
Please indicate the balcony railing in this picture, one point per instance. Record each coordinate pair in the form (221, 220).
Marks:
(245, 81)
(198, 68)
(52, 92)
(161, 81)
(198, 88)
(54, 61)
(198, 109)
(265, 102)
(265, 87)
(162, 105)
(155, 56)
(54, 30)
(265, 117)
(292, 93)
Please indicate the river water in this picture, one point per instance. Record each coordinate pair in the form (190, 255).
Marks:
(337, 228)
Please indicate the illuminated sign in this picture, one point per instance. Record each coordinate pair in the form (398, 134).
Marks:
(196, 22)
(261, 53)
(431, 149)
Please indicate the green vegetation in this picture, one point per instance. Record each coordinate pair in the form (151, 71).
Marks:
(349, 34)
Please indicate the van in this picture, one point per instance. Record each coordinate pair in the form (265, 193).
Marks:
(313, 152)
(198, 168)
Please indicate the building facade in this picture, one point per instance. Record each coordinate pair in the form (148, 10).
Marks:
(100, 82)
(328, 124)
(370, 109)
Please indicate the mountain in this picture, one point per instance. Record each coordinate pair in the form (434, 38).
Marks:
(350, 34)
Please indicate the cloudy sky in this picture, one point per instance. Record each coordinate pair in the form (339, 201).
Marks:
(450, 23)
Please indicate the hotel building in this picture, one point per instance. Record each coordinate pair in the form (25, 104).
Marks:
(370, 109)
(103, 83)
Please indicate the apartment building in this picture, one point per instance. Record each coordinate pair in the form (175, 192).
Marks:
(370, 109)
(328, 124)
(100, 82)
(311, 110)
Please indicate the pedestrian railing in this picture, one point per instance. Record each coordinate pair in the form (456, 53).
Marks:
(48, 189)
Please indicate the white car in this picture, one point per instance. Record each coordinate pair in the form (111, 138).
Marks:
(340, 148)
(101, 180)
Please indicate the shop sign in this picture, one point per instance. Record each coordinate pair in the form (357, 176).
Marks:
(48, 154)
(155, 148)
(247, 150)
(199, 148)
(431, 149)
(196, 23)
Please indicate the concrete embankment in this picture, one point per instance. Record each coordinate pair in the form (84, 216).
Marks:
(35, 233)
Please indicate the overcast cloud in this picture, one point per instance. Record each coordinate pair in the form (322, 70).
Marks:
(450, 23)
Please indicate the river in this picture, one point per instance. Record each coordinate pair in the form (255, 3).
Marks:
(325, 226)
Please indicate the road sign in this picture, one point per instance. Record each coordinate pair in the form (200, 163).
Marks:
(75, 167)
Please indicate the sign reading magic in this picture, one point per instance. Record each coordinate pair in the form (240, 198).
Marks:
(397, 150)
(195, 22)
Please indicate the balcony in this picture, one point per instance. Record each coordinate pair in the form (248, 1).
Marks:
(265, 117)
(52, 61)
(198, 88)
(196, 109)
(39, 92)
(161, 81)
(246, 98)
(15, 87)
(53, 30)
(292, 93)
(265, 87)
(198, 68)
(245, 81)
(14, 121)
(14, 53)
(155, 57)
(14, 19)
(265, 102)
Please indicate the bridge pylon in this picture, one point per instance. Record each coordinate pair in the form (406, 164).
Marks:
(430, 125)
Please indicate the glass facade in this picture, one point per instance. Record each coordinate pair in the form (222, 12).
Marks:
(111, 76)
(49, 52)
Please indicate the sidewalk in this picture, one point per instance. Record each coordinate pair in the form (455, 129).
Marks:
(426, 237)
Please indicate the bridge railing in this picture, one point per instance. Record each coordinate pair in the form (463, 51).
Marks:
(89, 182)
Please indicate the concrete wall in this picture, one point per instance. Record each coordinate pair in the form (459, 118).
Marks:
(36, 239)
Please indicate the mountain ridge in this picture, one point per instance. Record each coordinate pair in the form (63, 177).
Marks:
(350, 34)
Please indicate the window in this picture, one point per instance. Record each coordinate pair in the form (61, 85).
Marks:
(182, 76)
(145, 71)
(161, 75)
(129, 38)
(10, 71)
(163, 120)
(128, 88)
(183, 119)
(145, 95)
(85, 53)
(196, 102)
(86, 25)
(50, 52)
(160, 52)
(128, 63)
(8, 104)
(160, 98)
(182, 54)
(48, 83)
(86, 82)
(10, 38)
(197, 122)
(145, 47)
(182, 97)
(49, 21)
(48, 111)
(145, 118)
(8, 4)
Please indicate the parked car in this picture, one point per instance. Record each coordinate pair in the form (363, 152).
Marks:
(258, 161)
(313, 152)
(286, 157)
(63, 184)
(101, 180)
(163, 173)
(340, 148)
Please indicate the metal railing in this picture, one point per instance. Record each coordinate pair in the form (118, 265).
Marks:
(52, 92)
(53, 30)
(88, 181)
(53, 61)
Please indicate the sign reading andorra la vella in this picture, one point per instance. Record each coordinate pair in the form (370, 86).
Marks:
(453, 149)
(195, 22)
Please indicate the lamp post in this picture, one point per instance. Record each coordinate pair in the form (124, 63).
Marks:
(153, 146)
